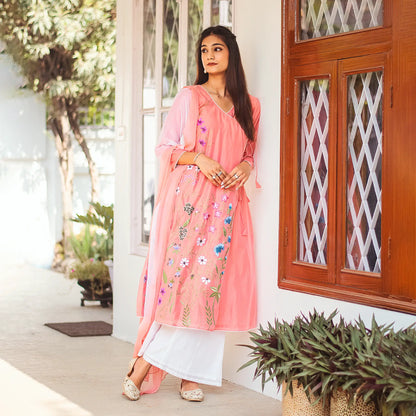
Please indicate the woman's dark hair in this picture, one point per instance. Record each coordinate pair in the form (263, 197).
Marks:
(235, 80)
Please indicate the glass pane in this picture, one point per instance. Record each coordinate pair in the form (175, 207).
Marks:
(365, 93)
(221, 13)
(149, 81)
(170, 51)
(195, 18)
(313, 171)
(329, 17)
(149, 173)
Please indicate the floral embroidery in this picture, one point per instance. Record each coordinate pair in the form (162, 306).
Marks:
(202, 127)
(182, 232)
(188, 208)
(190, 167)
(202, 142)
(218, 248)
(201, 241)
(197, 266)
(162, 291)
(184, 262)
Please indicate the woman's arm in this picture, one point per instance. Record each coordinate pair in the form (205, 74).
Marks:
(213, 171)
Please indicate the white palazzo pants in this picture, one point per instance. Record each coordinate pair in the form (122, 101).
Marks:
(190, 354)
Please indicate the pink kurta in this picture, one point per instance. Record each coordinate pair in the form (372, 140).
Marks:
(200, 271)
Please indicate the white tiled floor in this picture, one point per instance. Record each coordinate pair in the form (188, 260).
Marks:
(46, 373)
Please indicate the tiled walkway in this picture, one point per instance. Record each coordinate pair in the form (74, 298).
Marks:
(46, 373)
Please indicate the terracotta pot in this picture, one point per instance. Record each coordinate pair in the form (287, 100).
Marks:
(339, 406)
(299, 405)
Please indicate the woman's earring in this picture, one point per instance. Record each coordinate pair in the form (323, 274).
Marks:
(205, 71)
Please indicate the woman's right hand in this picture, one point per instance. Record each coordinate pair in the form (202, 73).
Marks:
(214, 172)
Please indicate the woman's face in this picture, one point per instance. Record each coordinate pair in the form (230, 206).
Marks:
(214, 55)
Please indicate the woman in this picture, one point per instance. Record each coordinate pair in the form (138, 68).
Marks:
(199, 277)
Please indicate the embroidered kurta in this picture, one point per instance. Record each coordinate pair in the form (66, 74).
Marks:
(200, 271)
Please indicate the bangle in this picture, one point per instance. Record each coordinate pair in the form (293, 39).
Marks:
(196, 157)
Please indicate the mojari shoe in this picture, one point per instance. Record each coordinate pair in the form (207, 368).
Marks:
(130, 390)
(196, 395)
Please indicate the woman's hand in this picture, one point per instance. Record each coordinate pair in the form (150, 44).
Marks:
(214, 172)
(238, 176)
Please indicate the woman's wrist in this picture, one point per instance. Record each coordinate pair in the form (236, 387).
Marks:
(248, 163)
(196, 157)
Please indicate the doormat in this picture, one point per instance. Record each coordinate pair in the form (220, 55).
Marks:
(82, 329)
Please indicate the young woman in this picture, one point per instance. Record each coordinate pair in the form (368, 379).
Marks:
(199, 277)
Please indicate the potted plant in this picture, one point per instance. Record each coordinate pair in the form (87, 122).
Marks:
(328, 355)
(93, 250)
(275, 352)
(93, 276)
(382, 370)
(400, 393)
(364, 371)
(101, 217)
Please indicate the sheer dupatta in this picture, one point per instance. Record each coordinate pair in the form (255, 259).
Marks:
(178, 135)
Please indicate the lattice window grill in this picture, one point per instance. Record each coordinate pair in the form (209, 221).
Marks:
(171, 41)
(313, 210)
(329, 17)
(149, 44)
(365, 92)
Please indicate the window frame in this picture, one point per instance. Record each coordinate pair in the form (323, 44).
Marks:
(359, 51)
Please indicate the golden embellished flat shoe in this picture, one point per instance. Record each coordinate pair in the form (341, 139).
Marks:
(196, 395)
(130, 390)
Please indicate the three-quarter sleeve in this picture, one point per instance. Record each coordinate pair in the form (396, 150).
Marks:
(248, 155)
(171, 137)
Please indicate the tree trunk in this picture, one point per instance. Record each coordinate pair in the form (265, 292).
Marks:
(73, 119)
(61, 129)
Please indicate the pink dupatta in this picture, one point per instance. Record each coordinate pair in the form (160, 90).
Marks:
(178, 135)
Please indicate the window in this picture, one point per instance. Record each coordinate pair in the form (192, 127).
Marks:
(167, 31)
(343, 164)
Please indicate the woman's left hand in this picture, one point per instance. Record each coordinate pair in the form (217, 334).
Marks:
(238, 176)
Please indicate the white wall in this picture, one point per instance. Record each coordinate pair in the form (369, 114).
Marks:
(127, 267)
(258, 30)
